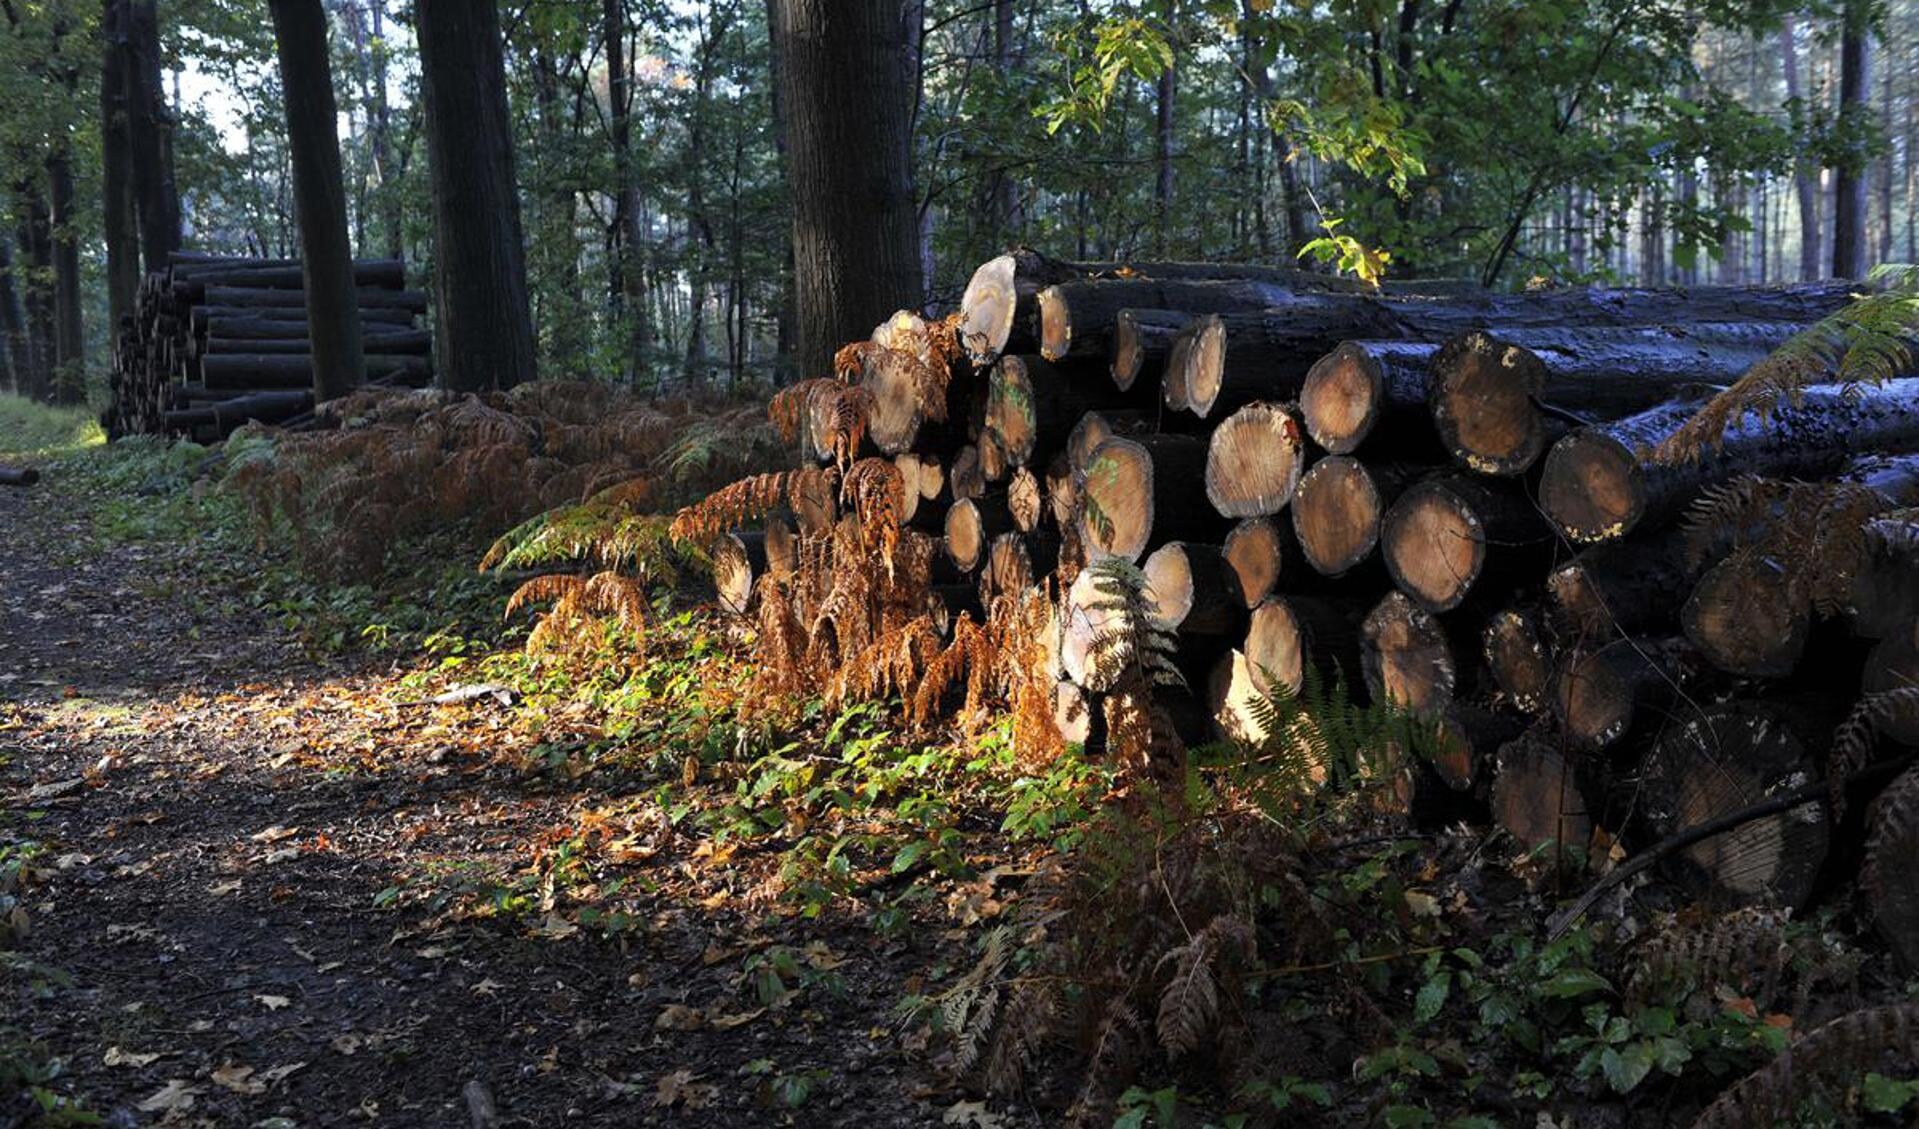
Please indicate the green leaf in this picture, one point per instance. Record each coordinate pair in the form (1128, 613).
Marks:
(1432, 996)
(1626, 1068)
(1887, 1095)
(1408, 1117)
(1571, 983)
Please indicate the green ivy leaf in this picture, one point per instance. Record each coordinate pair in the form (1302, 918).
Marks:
(1432, 996)
(1626, 1068)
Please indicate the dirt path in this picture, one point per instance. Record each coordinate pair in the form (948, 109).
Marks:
(217, 819)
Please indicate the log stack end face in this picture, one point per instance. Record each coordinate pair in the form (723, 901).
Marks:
(1205, 364)
(1340, 399)
(1435, 545)
(1590, 487)
(1482, 398)
(1116, 500)
(1253, 461)
(987, 308)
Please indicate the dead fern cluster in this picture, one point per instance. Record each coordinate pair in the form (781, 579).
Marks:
(395, 464)
(1757, 953)
(1814, 531)
(579, 604)
(1826, 1064)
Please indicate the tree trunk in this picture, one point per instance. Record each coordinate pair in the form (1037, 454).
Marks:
(69, 343)
(1855, 87)
(333, 314)
(630, 233)
(36, 240)
(150, 126)
(1805, 178)
(479, 278)
(120, 223)
(846, 100)
(14, 337)
(1163, 142)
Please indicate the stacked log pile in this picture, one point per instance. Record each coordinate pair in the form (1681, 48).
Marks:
(1442, 500)
(216, 341)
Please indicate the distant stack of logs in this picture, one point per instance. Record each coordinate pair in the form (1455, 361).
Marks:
(1441, 498)
(216, 341)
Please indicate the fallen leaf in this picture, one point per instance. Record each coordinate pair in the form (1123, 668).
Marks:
(679, 1017)
(273, 1003)
(275, 833)
(176, 1096)
(117, 1057)
(1422, 905)
(683, 1087)
(556, 928)
(274, 1075)
(821, 957)
(973, 1114)
(728, 1022)
(222, 889)
(283, 854)
(237, 1078)
(487, 987)
(346, 1044)
(54, 789)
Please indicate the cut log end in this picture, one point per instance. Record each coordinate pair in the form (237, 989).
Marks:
(1253, 461)
(1590, 487)
(1521, 665)
(1336, 514)
(733, 573)
(987, 308)
(965, 478)
(1055, 325)
(1010, 409)
(1169, 585)
(1340, 399)
(1009, 566)
(1116, 500)
(1732, 757)
(1275, 649)
(1204, 361)
(1093, 633)
(1025, 499)
(892, 377)
(1743, 618)
(1537, 800)
(1407, 659)
(1075, 714)
(1254, 552)
(1435, 545)
(966, 537)
(1482, 392)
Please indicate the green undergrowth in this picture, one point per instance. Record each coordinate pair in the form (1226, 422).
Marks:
(32, 433)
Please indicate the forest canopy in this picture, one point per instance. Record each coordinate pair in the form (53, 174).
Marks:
(1499, 141)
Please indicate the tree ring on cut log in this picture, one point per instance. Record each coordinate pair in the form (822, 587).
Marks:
(1055, 324)
(1518, 660)
(1255, 554)
(1743, 618)
(1169, 585)
(1073, 713)
(1340, 398)
(965, 534)
(1275, 656)
(1481, 395)
(1253, 461)
(892, 378)
(1435, 545)
(1025, 499)
(1723, 760)
(1116, 500)
(1010, 408)
(988, 306)
(1205, 364)
(1336, 511)
(1407, 659)
(1591, 486)
(1536, 797)
(733, 574)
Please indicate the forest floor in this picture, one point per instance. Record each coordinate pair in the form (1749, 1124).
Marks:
(256, 887)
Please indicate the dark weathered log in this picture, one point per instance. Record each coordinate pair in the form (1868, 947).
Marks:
(1601, 482)
(370, 298)
(1194, 591)
(1724, 759)
(1743, 617)
(1075, 309)
(1441, 535)
(1888, 879)
(254, 370)
(1033, 405)
(1884, 593)
(1538, 800)
(1026, 500)
(385, 274)
(284, 328)
(225, 415)
(971, 526)
(383, 319)
(1625, 587)
(1141, 340)
(1465, 743)
(1602, 694)
(1893, 664)
(963, 478)
(1256, 553)
(417, 342)
(18, 476)
(1254, 459)
(1520, 658)
(1338, 507)
(739, 560)
(1407, 656)
(1136, 493)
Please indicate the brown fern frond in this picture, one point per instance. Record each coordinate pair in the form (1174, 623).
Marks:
(1825, 1061)
(731, 506)
(1853, 741)
(851, 358)
(542, 590)
(1189, 1003)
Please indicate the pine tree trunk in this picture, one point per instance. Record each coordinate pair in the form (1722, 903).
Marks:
(1804, 176)
(150, 126)
(486, 330)
(69, 340)
(333, 313)
(120, 223)
(1849, 199)
(846, 99)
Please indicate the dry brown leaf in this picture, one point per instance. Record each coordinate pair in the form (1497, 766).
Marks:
(175, 1097)
(679, 1017)
(117, 1057)
(237, 1078)
(683, 1087)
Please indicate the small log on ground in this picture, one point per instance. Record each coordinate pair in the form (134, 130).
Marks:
(18, 476)
(1537, 799)
(1136, 494)
(225, 415)
(1600, 483)
(1519, 658)
(971, 526)
(1407, 656)
(1255, 552)
(1724, 759)
(1625, 587)
(1744, 619)
(1444, 533)
(739, 560)
(1194, 591)
(1253, 461)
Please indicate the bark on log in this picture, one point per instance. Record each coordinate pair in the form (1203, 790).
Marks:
(1091, 308)
(1253, 461)
(193, 282)
(1346, 392)
(1520, 659)
(278, 328)
(1442, 535)
(414, 342)
(1256, 554)
(225, 415)
(1884, 593)
(382, 320)
(1888, 878)
(369, 298)
(1598, 485)
(1192, 590)
(255, 370)
(1095, 428)
(1722, 760)
(1136, 495)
